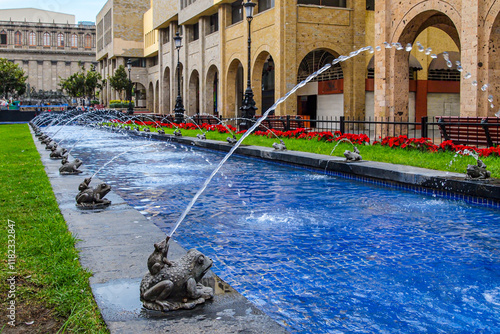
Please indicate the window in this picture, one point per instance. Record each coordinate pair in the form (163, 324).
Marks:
(265, 5)
(196, 32)
(370, 4)
(74, 41)
(88, 41)
(32, 39)
(237, 11)
(166, 35)
(18, 38)
(46, 39)
(327, 3)
(3, 38)
(213, 23)
(60, 40)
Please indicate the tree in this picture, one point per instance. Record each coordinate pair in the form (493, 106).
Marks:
(119, 81)
(81, 83)
(12, 78)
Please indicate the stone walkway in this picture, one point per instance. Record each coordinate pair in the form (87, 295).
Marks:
(115, 244)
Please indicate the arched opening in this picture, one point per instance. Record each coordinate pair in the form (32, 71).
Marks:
(150, 98)
(324, 95)
(494, 68)
(166, 105)
(140, 95)
(436, 31)
(212, 91)
(193, 105)
(263, 82)
(157, 97)
(234, 89)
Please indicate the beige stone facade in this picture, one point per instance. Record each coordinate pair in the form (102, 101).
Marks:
(47, 50)
(474, 27)
(291, 39)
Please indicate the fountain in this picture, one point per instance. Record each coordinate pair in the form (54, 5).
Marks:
(352, 156)
(178, 279)
(70, 168)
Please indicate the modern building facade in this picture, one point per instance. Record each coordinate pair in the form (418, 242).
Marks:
(293, 38)
(46, 45)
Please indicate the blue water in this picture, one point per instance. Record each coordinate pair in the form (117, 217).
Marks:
(319, 254)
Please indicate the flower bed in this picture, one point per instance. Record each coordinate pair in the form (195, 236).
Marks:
(399, 142)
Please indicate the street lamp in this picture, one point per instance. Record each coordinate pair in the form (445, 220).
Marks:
(248, 107)
(179, 107)
(130, 109)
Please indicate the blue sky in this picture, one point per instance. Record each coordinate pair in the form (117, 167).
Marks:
(84, 10)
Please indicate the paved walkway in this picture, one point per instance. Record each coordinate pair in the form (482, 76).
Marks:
(115, 244)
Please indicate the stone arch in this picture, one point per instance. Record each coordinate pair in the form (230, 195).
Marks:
(234, 89)
(193, 94)
(140, 95)
(150, 98)
(263, 96)
(212, 91)
(157, 97)
(166, 105)
(410, 26)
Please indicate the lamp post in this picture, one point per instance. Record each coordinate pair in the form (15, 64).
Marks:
(179, 106)
(248, 107)
(130, 109)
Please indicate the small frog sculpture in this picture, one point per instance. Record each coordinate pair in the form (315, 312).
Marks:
(280, 146)
(177, 286)
(161, 131)
(58, 152)
(70, 168)
(92, 198)
(201, 136)
(178, 133)
(353, 156)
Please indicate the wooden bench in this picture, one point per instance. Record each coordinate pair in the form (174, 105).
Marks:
(471, 131)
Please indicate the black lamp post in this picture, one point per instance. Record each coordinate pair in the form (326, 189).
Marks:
(179, 106)
(248, 107)
(130, 109)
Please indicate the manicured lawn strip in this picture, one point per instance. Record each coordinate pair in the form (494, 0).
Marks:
(444, 161)
(48, 270)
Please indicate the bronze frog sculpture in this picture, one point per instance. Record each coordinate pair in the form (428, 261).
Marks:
(92, 198)
(280, 146)
(478, 171)
(69, 168)
(177, 286)
(353, 156)
(58, 152)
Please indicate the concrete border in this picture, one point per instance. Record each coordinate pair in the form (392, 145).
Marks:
(115, 243)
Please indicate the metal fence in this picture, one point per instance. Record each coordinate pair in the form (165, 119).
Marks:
(461, 130)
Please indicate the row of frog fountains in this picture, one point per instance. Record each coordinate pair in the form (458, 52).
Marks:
(172, 285)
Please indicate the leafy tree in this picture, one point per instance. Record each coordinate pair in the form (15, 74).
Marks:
(81, 83)
(119, 81)
(12, 78)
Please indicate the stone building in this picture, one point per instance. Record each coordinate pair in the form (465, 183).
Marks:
(46, 45)
(293, 38)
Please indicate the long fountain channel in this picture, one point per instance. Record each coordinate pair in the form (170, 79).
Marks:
(318, 253)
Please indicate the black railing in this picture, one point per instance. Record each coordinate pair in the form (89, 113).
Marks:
(474, 131)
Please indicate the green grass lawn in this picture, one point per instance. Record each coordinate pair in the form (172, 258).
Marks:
(49, 278)
(444, 161)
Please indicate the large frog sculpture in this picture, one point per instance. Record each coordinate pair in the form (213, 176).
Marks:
(92, 198)
(176, 285)
(478, 171)
(70, 168)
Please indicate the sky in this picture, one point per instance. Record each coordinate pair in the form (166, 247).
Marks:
(84, 10)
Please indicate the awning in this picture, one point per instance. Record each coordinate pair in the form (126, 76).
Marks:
(414, 63)
(439, 63)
